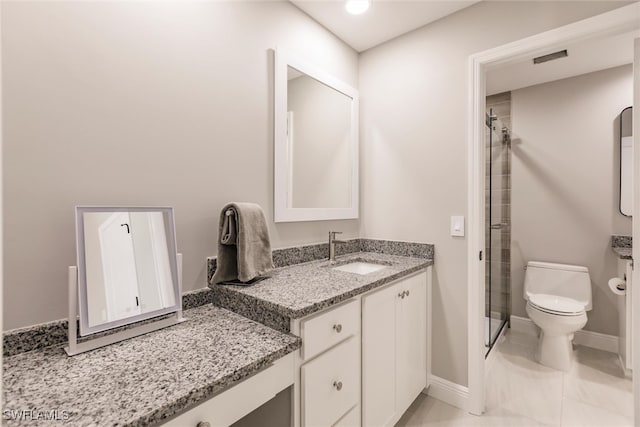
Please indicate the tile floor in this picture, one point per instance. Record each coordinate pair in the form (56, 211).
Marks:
(521, 392)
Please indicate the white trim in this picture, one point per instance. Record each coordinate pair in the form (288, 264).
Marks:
(282, 211)
(635, 328)
(586, 338)
(448, 392)
(597, 340)
(476, 243)
(429, 321)
(616, 21)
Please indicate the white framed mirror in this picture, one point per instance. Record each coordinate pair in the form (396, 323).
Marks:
(127, 266)
(316, 143)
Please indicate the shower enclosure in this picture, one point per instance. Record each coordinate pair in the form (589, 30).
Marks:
(498, 232)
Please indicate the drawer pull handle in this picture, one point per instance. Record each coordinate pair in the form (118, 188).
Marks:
(407, 293)
(401, 294)
(337, 385)
(203, 424)
(337, 328)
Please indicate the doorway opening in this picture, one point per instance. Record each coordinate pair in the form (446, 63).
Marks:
(619, 21)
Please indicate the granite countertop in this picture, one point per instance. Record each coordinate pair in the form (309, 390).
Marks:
(299, 290)
(144, 380)
(622, 246)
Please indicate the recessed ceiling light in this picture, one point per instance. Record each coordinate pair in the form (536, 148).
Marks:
(356, 7)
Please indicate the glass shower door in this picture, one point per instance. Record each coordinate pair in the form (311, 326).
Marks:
(498, 235)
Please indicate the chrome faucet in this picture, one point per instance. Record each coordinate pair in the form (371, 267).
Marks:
(332, 244)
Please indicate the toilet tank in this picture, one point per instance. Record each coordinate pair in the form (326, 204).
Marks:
(571, 281)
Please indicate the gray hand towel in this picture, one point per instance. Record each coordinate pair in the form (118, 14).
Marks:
(244, 249)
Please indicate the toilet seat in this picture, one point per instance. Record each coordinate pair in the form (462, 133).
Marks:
(556, 305)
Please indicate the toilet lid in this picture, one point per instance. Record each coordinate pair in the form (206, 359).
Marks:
(556, 304)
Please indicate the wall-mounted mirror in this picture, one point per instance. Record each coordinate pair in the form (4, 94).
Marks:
(127, 267)
(626, 161)
(316, 143)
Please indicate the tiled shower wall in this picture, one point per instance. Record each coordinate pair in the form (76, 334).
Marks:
(497, 303)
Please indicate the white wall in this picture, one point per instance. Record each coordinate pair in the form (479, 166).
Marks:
(413, 137)
(163, 104)
(141, 103)
(565, 182)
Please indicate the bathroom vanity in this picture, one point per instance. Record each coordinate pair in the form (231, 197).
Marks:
(352, 343)
(622, 246)
(149, 379)
(365, 337)
(625, 270)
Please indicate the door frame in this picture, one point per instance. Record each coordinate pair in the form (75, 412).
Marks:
(619, 20)
(635, 303)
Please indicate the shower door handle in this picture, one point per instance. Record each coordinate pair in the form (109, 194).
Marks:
(498, 226)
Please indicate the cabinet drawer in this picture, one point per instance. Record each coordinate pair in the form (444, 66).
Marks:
(331, 385)
(329, 328)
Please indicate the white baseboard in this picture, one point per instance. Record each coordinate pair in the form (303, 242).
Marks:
(597, 340)
(448, 392)
(586, 338)
(627, 372)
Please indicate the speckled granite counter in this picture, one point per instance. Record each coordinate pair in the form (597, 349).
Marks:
(622, 246)
(145, 380)
(296, 291)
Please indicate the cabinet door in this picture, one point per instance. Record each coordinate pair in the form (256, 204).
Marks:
(628, 320)
(352, 419)
(379, 357)
(411, 341)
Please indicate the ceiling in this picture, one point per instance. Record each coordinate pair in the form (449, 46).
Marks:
(584, 57)
(383, 21)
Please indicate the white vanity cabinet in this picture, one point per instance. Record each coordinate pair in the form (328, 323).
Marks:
(329, 367)
(363, 362)
(394, 349)
(624, 315)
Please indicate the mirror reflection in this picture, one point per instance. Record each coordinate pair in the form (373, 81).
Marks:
(127, 267)
(319, 143)
(626, 161)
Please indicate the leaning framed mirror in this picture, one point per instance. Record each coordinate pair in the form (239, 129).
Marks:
(315, 143)
(128, 272)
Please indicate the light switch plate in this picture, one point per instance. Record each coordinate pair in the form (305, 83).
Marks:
(457, 225)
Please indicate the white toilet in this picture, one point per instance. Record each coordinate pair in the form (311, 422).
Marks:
(558, 297)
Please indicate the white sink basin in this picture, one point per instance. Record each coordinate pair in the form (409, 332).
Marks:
(360, 267)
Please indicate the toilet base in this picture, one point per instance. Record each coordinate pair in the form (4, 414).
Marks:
(555, 351)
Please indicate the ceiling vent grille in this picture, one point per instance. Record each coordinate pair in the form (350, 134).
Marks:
(551, 57)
